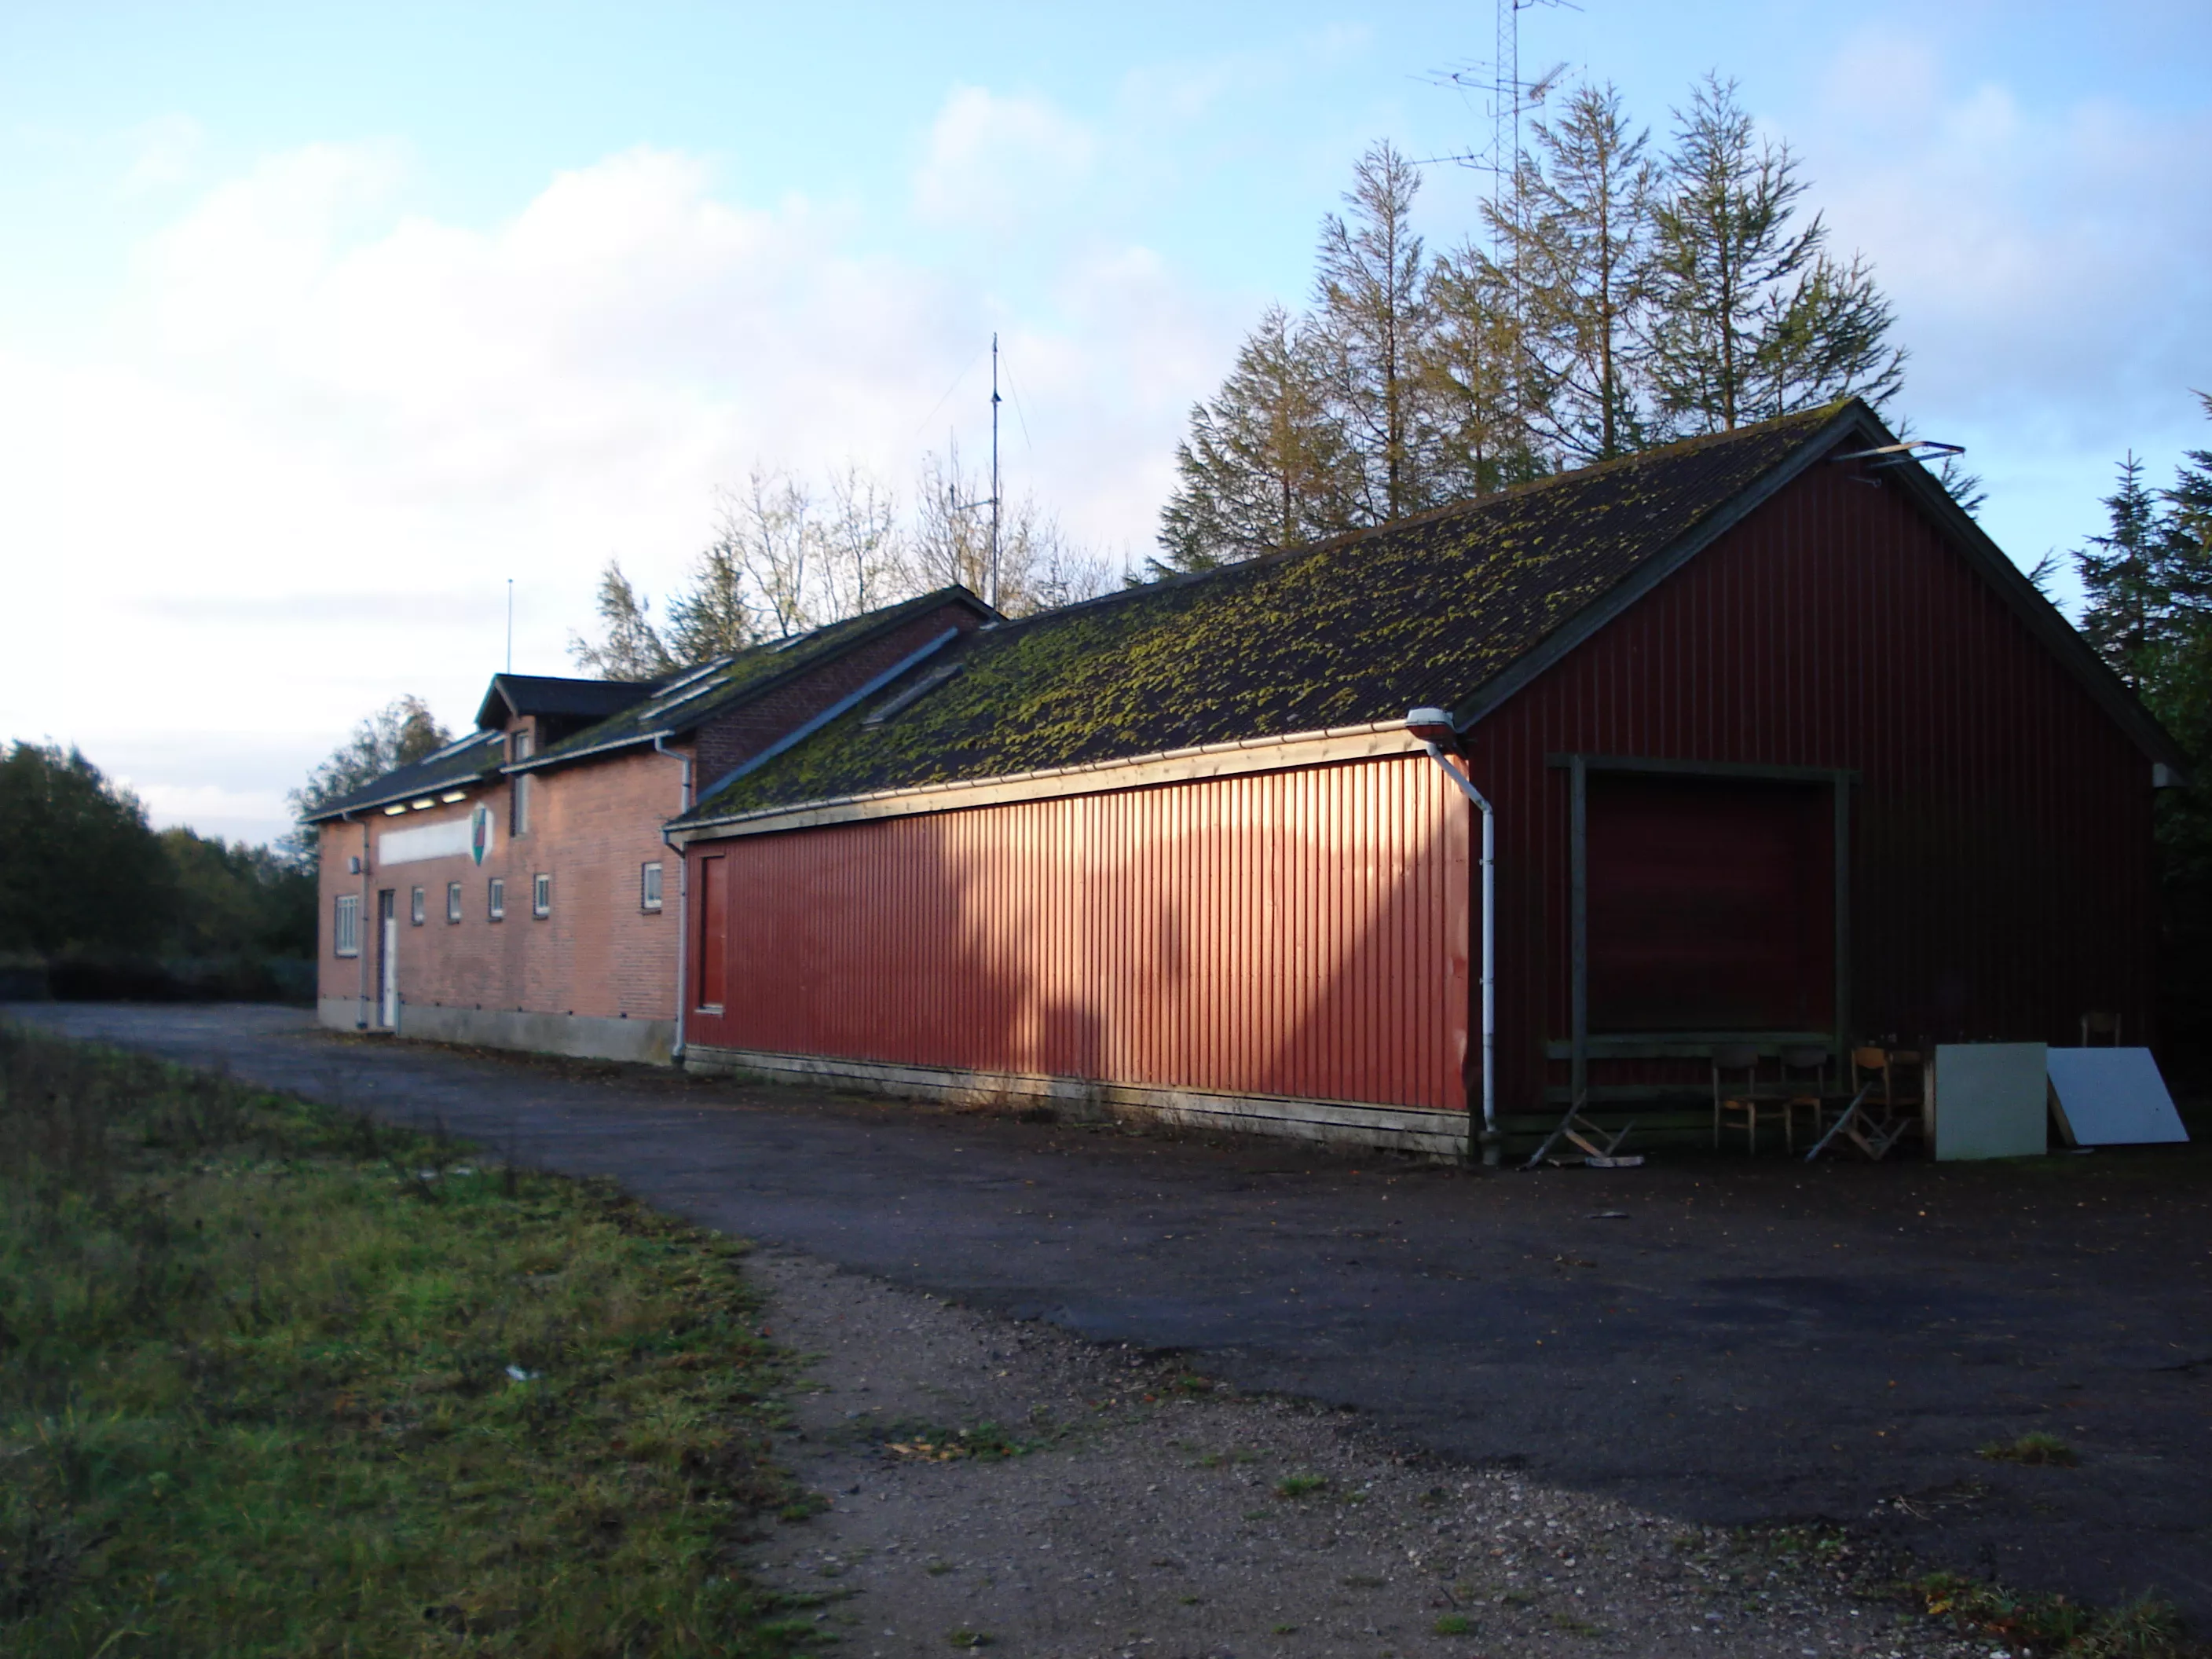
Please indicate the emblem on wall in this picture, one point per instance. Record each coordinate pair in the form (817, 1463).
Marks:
(480, 833)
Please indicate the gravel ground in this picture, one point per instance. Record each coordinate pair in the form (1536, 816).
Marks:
(1106, 1501)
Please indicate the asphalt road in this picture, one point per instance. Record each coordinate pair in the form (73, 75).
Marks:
(1729, 1340)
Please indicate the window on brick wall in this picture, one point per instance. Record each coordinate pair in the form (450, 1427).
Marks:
(648, 886)
(495, 899)
(453, 901)
(541, 895)
(417, 909)
(345, 926)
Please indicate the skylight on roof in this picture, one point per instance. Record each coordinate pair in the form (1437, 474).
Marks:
(913, 694)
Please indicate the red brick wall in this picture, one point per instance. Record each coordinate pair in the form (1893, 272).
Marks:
(598, 953)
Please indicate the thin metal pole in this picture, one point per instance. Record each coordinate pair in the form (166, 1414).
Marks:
(510, 624)
(994, 469)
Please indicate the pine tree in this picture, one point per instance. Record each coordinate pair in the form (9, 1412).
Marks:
(2125, 610)
(1371, 292)
(1583, 247)
(1266, 464)
(1754, 318)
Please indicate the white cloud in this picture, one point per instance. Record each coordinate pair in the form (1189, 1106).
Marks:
(324, 428)
(999, 163)
(167, 150)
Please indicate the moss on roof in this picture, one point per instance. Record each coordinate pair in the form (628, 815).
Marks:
(1347, 632)
(684, 701)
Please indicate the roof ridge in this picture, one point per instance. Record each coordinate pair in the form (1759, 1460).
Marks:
(1282, 556)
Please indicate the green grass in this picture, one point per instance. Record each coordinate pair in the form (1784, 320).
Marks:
(274, 1381)
(1453, 1624)
(1300, 1485)
(2034, 1448)
(2051, 1625)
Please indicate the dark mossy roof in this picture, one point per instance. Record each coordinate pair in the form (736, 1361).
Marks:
(684, 702)
(563, 698)
(474, 760)
(1348, 632)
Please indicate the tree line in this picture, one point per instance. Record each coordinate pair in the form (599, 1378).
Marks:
(2147, 608)
(1617, 296)
(90, 888)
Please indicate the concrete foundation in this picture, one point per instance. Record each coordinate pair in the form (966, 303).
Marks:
(1349, 1123)
(643, 1042)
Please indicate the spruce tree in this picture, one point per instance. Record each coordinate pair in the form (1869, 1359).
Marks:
(629, 647)
(1265, 465)
(2123, 582)
(1476, 368)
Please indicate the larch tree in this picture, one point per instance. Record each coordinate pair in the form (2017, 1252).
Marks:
(1583, 247)
(628, 645)
(1266, 465)
(1474, 370)
(1753, 317)
(1372, 308)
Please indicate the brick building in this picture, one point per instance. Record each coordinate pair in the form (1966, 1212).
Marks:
(515, 890)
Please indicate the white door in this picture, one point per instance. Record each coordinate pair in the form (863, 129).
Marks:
(387, 960)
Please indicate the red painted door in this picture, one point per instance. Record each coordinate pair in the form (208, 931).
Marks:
(714, 890)
(1711, 905)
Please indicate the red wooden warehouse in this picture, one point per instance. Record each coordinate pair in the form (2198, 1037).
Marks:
(1781, 749)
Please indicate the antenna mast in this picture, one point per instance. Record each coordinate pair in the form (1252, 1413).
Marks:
(994, 469)
(510, 624)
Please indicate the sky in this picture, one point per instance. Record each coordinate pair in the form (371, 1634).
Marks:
(318, 325)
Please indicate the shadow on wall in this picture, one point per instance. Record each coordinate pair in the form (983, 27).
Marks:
(1297, 934)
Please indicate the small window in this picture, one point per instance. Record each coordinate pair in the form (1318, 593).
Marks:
(541, 896)
(417, 911)
(453, 901)
(518, 805)
(345, 926)
(648, 886)
(496, 905)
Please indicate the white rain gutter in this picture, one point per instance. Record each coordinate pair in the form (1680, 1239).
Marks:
(1426, 725)
(683, 896)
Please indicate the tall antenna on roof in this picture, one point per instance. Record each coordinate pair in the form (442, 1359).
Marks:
(994, 469)
(953, 490)
(510, 624)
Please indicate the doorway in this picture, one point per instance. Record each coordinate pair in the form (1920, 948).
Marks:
(387, 960)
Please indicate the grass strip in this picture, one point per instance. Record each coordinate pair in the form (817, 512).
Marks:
(275, 1380)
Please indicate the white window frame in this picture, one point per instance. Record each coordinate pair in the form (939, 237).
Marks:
(648, 885)
(345, 926)
(495, 898)
(541, 896)
(418, 907)
(453, 901)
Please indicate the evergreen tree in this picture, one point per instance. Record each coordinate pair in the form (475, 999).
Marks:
(1266, 464)
(2123, 582)
(628, 647)
(398, 734)
(1583, 248)
(1754, 320)
(1371, 291)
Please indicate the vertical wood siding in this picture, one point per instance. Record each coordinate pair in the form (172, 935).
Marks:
(2002, 880)
(1301, 933)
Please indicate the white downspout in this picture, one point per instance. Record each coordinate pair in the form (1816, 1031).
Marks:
(1421, 721)
(683, 896)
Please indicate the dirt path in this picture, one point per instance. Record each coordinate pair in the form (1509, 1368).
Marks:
(1148, 1512)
